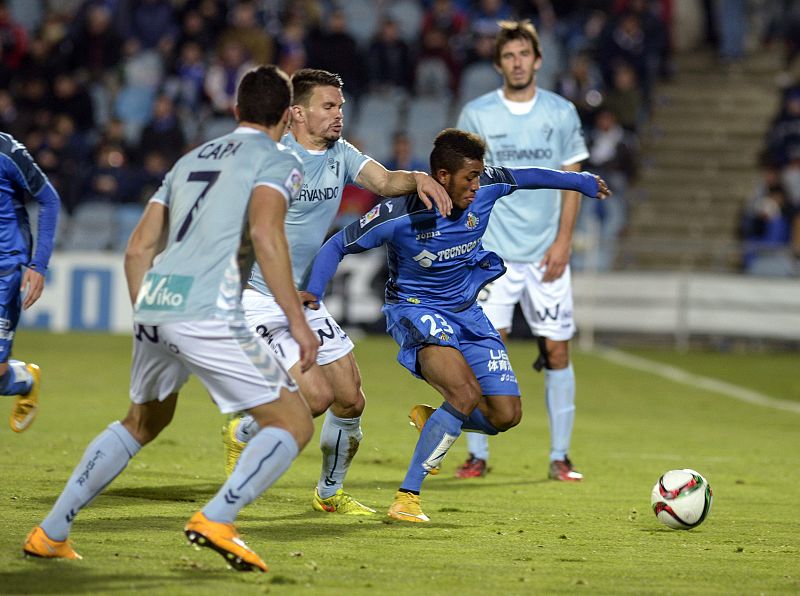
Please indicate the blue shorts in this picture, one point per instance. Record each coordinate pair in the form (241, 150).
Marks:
(414, 326)
(10, 306)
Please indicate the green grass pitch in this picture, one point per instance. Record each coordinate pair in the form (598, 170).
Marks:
(513, 532)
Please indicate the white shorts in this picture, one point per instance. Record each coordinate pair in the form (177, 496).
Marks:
(231, 362)
(266, 318)
(547, 307)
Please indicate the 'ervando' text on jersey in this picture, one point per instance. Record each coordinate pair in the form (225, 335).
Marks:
(433, 259)
(207, 192)
(549, 136)
(310, 217)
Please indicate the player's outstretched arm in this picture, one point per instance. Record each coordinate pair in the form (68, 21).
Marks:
(267, 232)
(583, 182)
(147, 240)
(376, 178)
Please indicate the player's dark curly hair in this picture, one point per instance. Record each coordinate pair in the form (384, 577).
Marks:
(306, 80)
(452, 147)
(263, 95)
(510, 30)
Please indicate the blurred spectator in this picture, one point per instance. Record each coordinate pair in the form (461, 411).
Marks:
(624, 98)
(224, 74)
(614, 155)
(186, 84)
(731, 17)
(246, 29)
(624, 42)
(485, 14)
(389, 61)
(111, 179)
(94, 44)
(292, 45)
(152, 25)
(332, 48)
(436, 73)
(163, 133)
(72, 99)
(13, 39)
(402, 157)
(783, 137)
(583, 85)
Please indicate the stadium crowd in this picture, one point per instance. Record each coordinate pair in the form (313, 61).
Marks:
(106, 94)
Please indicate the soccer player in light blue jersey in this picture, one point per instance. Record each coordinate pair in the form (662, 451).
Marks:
(220, 207)
(333, 384)
(22, 269)
(527, 126)
(437, 267)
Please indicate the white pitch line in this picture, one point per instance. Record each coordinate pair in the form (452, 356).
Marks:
(681, 376)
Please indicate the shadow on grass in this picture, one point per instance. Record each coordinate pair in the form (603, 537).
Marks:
(40, 576)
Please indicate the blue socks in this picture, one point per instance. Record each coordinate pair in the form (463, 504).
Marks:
(559, 394)
(17, 380)
(339, 441)
(477, 422)
(267, 456)
(439, 433)
(103, 460)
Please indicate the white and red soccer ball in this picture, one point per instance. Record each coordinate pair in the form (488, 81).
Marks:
(681, 499)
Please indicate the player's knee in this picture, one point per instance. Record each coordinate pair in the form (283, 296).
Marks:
(350, 403)
(506, 414)
(557, 355)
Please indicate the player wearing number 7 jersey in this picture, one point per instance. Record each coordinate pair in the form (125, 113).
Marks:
(220, 207)
(436, 268)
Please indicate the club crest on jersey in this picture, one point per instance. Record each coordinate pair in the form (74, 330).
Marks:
(369, 215)
(472, 221)
(294, 183)
(333, 165)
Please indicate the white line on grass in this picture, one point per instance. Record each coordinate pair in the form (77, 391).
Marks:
(681, 376)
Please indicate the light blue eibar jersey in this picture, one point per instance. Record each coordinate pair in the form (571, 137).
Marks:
(198, 275)
(549, 136)
(310, 217)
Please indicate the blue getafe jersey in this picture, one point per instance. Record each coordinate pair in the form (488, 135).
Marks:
(436, 260)
(19, 177)
(548, 136)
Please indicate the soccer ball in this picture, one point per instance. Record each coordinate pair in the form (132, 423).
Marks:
(681, 499)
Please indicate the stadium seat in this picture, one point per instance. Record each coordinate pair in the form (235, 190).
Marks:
(378, 119)
(362, 19)
(427, 116)
(91, 227)
(408, 16)
(126, 217)
(478, 78)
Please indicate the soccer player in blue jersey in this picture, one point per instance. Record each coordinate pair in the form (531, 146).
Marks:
(527, 126)
(333, 384)
(219, 209)
(22, 269)
(437, 267)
